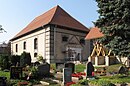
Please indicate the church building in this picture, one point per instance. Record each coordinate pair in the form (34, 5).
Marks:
(54, 35)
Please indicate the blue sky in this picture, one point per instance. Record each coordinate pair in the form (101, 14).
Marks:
(17, 14)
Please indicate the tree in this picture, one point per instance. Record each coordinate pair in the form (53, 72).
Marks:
(25, 59)
(114, 23)
(1, 29)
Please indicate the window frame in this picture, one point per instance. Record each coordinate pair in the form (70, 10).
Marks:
(24, 45)
(35, 54)
(16, 48)
(65, 38)
(36, 43)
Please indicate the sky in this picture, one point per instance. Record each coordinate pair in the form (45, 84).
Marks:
(15, 15)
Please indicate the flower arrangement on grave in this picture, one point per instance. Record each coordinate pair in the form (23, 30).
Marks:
(70, 83)
(31, 72)
(22, 83)
(80, 74)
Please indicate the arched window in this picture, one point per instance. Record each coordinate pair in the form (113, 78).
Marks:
(35, 54)
(35, 43)
(16, 47)
(24, 45)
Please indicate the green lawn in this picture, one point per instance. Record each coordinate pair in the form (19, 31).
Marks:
(113, 68)
(6, 74)
(116, 79)
(80, 68)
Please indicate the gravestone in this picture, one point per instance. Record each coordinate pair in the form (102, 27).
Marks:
(89, 69)
(44, 70)
(3, 81)
(15, 72)
(59, 66)
(70, 65)
(122, 70)
(67, 72)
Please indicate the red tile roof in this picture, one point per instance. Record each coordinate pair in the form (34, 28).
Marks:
(56, 16)
(94, 33)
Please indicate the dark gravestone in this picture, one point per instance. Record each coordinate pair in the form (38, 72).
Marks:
(16, 72)
(59, 66)
(44, 70)
(3, 81)
(122, 70)
(70, 65)
(89, 69)
(67, 72)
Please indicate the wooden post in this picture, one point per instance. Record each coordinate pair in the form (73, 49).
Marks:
(96, 61)
(107, 60)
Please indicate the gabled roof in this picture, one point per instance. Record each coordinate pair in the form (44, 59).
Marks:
(94, 33)
(56, 16)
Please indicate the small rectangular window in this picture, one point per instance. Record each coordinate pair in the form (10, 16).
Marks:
(64, 38)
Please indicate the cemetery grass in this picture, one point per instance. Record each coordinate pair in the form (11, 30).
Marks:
(16, 81)
(113, 68)
(5, 74)
(115, 79)
(80, 68)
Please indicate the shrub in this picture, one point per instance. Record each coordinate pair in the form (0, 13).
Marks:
(14, 59)
(53, 66)
(31, 72)
(34, 71)
(4, 61)
(83, 82)
(25, 59)
(40, 59)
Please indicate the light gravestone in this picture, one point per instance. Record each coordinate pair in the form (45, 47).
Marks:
(67, 72)
(59, 66)
(89, 69)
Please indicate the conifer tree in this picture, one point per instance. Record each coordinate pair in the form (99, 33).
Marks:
(114, 23)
